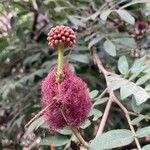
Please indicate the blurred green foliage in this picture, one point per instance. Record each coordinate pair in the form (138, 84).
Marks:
(25, 59)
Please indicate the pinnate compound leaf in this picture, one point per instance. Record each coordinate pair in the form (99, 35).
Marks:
(143, 132)
(110, 48)
(112, 139)
(115, 82)
(57, 140)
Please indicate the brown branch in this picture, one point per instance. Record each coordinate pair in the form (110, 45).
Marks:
(129, 121)
(109, 103)
(37, 115)
(52, 147)
(105, 116)
(112, 97)
(98, 62)
(102, 94)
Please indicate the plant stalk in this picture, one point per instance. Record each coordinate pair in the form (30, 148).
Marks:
(60, 73)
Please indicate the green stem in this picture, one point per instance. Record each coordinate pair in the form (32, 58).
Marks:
(60, 74)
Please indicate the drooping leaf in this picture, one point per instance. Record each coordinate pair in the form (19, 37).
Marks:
(125, 15)
(143, 132)
(138, 119)
(125, 91)
(147, 88)
(143, 79)
(112, 139)
(104, 15)
(129, 42)
(96, 113)
(136, 108)
(146, 147)
(65, 131)
(86, 124)
(138, 65)
(123, 65)
(80, 58)
(93, 16)
(94, 41)
(57, 140)
(93, 94)
(76, 21)
(110, 48)
(100, 101)
(35, 125)
(137, 73)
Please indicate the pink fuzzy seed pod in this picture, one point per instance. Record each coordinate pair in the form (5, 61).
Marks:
(61, 33)
(73, 96)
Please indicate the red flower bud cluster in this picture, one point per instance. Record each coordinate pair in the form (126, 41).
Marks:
(61, 35)
(72, 97)
(141, 26)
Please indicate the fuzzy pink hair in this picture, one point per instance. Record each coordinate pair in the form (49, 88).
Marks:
(74, 100)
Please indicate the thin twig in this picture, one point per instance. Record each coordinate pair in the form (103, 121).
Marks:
(133, 113)
(37, 115)
(102, 94)
(52, 147)
(98, 62)
(75, 130)
(109, 103)
(105, 116)
(129, 121)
